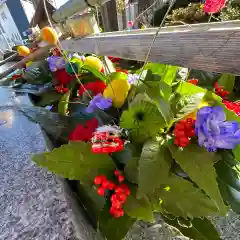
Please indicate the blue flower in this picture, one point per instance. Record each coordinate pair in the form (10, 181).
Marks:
(99, 102)
(213, 131)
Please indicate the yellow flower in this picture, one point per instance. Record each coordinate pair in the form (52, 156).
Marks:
(93, 62)
(117, 90)
(201, 6)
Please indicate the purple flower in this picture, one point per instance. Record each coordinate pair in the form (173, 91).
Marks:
(99, 102)
(213, 131)
(132, 78)
(55, 63)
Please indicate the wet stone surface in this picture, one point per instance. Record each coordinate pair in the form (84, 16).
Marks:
(33, 202)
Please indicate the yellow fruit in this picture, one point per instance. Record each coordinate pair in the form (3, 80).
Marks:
(23, 51)
(117, 91)
(193, 115)
(49, 35)
(93, 62)
(28, 63)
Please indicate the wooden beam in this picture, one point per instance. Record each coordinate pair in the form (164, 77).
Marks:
(213, 47)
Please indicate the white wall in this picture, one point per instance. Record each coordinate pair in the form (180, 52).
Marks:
(11, 33)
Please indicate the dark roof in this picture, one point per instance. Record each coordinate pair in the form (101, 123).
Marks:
(40, 15)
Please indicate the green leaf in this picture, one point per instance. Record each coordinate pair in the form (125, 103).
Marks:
(48, 98)
(236, 152)
(63, 103)
(183, 199)
(227, 81)
(230, 195)
(114, 228)
(227, 174)
(75, 161)
(187, 105)
(153, 86)
(138, 208)
(156, 68)
(143, 117)
(170, 74)
(200, 229)
(186, 88)
(118, 75)
(154, 167)
(131, 170)
(96, 73)
(198, 164)
(122, 156)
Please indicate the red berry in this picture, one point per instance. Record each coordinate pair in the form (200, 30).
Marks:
(188, 126)
(114, 197)
(183, 142)
(125, 189)
(117, 173)
(191, 133)
(176, 141)
(98, 180)
(118, 213)
(179, 126)
(105, 184)
(179, 133)
(122, 197)
(121, 178)
(118, 189)
(101, 191)
(111, 185)
(112, 210)
(116, 204)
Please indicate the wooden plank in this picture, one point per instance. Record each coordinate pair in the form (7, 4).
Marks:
(213, 47)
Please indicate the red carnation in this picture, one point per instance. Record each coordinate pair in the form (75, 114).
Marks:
(114, 59)
(84, 132)
(63, 77)
(96, 87)
(214, 6)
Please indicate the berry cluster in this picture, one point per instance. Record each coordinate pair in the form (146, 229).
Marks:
(193, 81)
(119, 197)
(219, 90)
(232, 106)
(61, 89)
(184, 130)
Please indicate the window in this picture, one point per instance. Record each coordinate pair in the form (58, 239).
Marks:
(3, 15)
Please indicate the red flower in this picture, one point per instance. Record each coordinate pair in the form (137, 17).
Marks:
(219, 90)
(63, 77)
(84, 132)
(114, 59)
(61, 89)
(96, 87)
(193, 81)
(16, 76)
(214, 6)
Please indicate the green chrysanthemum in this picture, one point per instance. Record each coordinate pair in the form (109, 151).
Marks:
(143, 118)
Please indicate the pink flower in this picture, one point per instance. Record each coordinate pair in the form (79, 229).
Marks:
(214, 6)
(130, 24)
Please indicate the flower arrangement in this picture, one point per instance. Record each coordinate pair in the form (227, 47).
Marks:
(148, 142)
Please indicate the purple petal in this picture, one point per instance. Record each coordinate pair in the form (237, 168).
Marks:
(218, 114)
(228, 128)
